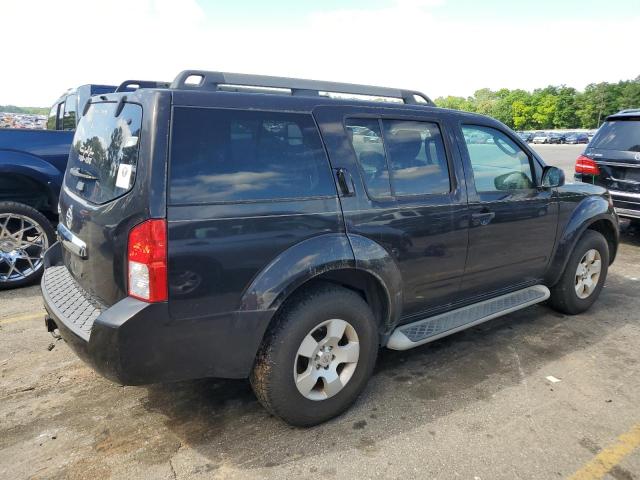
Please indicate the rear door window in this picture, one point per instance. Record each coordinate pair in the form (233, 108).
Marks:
(69, 118)
(104, 155)
(622, 135)
(366, 139)
(234, 155)
(400, 157)
(416, 157)
(53, 117)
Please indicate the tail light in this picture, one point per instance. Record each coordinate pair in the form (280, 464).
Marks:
(586, 166)
(147, 256)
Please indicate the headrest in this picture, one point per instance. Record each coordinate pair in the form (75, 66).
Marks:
(405, 145)
(373, 159)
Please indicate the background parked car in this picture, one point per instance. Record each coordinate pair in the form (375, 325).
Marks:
(525, 136)
(576, 138)
(556, 137)
(32, 165)
(541, 137)
(612, 160)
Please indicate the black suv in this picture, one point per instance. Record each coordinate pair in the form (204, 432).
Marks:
(247, 226)
(612, 159)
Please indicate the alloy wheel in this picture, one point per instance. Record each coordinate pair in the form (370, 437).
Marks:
(23, 243)
(326, 359)
(588, 273)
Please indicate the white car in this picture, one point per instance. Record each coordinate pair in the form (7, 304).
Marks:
(540, 138)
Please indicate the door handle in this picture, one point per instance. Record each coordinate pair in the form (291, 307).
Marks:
(345, 182)
(482, 218)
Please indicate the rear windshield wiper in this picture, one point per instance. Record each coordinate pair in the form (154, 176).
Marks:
(77, 172)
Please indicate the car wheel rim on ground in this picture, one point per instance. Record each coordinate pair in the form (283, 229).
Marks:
(326, 359)
(588, 273)
(23, 243)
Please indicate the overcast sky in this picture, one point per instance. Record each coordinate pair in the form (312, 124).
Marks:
(441, 47)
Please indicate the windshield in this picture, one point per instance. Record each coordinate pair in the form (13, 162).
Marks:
(622, 135)
(104, 154)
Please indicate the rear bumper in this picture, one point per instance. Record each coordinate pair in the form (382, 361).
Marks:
(135, 343)
(626, 204)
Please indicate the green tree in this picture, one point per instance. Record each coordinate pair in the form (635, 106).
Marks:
(565, 114)
(551, 106)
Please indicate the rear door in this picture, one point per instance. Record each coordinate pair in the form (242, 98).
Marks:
(108, 189)
(408, 195)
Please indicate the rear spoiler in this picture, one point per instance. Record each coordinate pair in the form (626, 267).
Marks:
(132, 85)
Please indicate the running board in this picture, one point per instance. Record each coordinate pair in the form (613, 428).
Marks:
(433, 328)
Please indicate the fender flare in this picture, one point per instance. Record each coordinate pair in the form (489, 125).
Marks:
(34, 168)
(317, 255)
(589, 211)
(373, 258)
(295, 266)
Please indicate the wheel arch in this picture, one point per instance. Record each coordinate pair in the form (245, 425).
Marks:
(25, 178)
(358, 264)
(593, 213)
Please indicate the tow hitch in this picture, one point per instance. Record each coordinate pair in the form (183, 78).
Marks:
(52, 328)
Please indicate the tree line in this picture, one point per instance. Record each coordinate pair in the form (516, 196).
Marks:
(550, 107)
(25, 110)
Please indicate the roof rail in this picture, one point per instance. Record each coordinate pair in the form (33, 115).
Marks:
(214, 80)
(130, 85)
(629, 110)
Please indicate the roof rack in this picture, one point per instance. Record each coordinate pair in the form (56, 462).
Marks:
(130, 85)
(629, 110)
(205, 80)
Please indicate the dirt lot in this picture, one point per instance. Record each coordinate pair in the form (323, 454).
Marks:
(477, 405)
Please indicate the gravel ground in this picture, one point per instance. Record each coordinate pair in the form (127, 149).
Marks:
(476, 405)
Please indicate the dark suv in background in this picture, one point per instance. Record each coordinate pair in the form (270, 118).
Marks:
(32, 164)
(249, 226)
(612, 159)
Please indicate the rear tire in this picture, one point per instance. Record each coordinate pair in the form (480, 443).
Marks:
(299, 362)
(583, 276)
(25, 234)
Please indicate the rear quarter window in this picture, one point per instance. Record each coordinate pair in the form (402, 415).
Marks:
(232, 155)
(104, 154)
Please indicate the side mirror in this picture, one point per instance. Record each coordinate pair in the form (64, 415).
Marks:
(552, 177)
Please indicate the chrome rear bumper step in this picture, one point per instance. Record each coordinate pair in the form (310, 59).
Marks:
(432, 328)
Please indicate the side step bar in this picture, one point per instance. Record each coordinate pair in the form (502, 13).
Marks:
(432, 328)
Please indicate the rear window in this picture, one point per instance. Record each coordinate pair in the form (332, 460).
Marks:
(232, 155)
(623, 135)
(104, 154)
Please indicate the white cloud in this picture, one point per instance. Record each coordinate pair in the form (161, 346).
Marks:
(50, 46)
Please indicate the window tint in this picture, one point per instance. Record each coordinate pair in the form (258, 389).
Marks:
(417, 158)
(231, 155)
(498, 163)
(104, 154)
(623, 135)
(69, 119)
(60, 115)
(366, 139)
(51, 119)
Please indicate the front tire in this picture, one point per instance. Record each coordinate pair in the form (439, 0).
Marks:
(583, 276)
(318, 356)
(25, 234)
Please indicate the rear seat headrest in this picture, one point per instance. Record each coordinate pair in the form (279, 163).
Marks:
(373, 159)
(405, 143)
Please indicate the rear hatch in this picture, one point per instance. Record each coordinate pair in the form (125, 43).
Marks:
(616, 150)
(107, 189)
